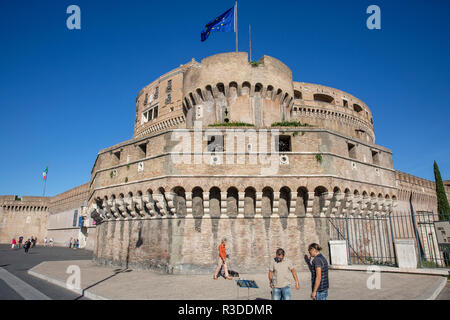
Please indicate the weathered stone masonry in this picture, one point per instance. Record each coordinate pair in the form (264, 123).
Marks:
(155, 212)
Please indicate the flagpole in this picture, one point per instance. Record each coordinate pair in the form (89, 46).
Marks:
(236, 24)
(45, 184)
(250, 39)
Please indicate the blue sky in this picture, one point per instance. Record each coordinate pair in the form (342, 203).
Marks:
(65, 94)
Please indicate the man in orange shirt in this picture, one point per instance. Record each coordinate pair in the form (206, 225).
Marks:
(222, 260)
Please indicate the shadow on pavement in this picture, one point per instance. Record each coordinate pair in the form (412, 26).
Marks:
(116, 272)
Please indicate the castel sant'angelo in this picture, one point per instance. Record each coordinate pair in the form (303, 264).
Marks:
(226, 148)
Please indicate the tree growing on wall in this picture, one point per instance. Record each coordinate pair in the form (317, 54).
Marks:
(442, 201)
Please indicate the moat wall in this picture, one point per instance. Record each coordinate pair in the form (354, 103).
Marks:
(190, 246)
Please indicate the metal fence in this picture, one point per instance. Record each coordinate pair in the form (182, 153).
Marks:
(371, 239)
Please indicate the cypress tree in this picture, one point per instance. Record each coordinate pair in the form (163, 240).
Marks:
(442, 201)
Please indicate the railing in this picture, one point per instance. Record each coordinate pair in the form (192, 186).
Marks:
(371, 239)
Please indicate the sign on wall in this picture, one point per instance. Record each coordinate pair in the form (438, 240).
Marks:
(443, 234)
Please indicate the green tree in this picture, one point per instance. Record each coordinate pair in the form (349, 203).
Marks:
(442, 201)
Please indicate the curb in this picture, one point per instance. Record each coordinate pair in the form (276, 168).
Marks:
(433, 294)
(364, 268)
(62, 284)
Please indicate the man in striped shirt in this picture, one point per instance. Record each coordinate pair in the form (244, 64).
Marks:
(319, 272)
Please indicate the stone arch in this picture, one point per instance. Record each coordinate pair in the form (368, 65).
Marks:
(187, 103)
(221, 88)
(279, 94)
(302, 201)
(200, 94)
(258, 87)
(162, 192)
(197, 202)
(246, 88)
(297, 95)
(233, 89)
(179, 201)
(194, 103)
(335, 200)
(267, 202)
(319, 200)
(209, 92)
(284, 202)
(269, 92)
(214, 202)
(249, 202)
(232, 201)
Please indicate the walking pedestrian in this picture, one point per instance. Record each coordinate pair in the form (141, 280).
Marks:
(77, 243)
(13, 243)
(27, 245)
(279, 271)
(20, 241)
(45, 241)
(319, 272)
(222, 260)
(33, 242)
(70, 242)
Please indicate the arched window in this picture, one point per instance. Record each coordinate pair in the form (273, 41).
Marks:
(221, 88)
(323, 98)
(200, 94)
(246, 88)
(357, 108)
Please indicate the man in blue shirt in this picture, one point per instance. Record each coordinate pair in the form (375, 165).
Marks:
(319, 272)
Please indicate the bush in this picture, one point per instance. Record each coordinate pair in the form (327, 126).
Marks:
(319, 158)
(290, 124)
(231, 124)
(429, 264)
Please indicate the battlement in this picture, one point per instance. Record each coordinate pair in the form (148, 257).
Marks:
(227, 87)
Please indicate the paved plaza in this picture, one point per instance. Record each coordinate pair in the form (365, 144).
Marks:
(115, 283)
(42, 274)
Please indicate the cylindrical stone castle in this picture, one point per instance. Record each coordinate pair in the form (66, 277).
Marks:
(236, 149)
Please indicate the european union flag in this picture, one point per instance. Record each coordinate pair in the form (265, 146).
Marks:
(223, 23)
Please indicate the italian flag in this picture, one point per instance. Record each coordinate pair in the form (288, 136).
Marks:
(44, 174)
